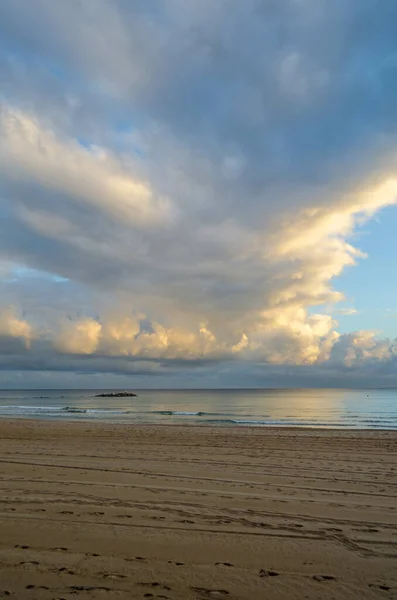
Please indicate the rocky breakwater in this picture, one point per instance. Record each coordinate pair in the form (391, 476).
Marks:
(115, 395)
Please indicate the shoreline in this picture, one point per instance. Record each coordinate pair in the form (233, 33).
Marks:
(221, 426)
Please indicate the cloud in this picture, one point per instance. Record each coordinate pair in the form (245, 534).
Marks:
(363, 347)
(31, 154)
(195, 175)
(78, 338)
(15, 333)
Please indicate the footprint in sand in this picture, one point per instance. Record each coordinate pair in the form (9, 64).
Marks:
(22, 547)
(155, 584)
(66, 570)
(268, 573)
(324, 577)
(209, 592)
(223, 564)
(89, 588)
(112, 576)
(383, 587)
(221, 522)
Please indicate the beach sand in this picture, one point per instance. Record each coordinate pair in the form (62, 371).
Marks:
(120, 511)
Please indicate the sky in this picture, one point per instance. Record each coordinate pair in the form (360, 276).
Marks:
(198, 193)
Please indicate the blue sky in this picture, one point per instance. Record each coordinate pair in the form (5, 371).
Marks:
(371, 285)
(198, 193)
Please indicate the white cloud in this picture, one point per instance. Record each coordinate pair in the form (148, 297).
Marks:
(32, 154)
(360, 347)
(346, 311)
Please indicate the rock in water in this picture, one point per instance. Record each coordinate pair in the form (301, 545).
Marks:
(115, 395)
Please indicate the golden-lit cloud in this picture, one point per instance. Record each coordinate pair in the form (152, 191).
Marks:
(14, 327)
(80, 337)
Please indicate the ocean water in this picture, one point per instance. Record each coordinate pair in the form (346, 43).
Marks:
(325, 408)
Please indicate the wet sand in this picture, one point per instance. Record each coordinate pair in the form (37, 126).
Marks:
(122, 511)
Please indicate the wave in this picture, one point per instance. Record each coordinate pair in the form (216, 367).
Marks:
(84, 409)
(244, 422)
(179, 412)
(274, 423)
(95, 411)
(25, 409)
(31, 408)
(183, 413)
(108, 411)
(379, 420)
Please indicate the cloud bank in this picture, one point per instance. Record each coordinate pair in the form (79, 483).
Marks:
(181, 184)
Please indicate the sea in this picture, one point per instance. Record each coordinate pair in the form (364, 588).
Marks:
(310, 408)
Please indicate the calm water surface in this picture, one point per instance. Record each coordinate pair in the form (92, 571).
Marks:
(358, 409)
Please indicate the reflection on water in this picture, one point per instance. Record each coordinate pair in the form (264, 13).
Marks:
(300, 407)
(288, 407)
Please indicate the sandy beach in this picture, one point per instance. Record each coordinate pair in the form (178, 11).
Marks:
(121, 511)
